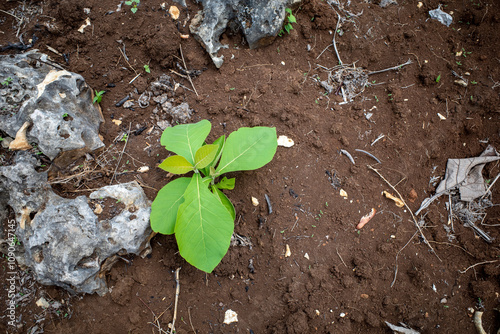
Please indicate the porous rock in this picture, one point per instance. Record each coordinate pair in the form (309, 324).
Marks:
(65, 243)
(64, 123)
(260, 22)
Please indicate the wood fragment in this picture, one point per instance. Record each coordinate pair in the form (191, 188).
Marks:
(177, 292)
(478, 322)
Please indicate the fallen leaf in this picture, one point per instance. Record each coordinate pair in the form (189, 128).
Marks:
(399, 202)
(412, 196)
(174, 12)
(288, 252)
(365, 219)
(98, 209)
(20, 143)
(117, 122)
(230, 316)
(285, 141)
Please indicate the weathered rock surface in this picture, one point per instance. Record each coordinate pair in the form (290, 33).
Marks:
(57, 103)
(66, 243)
(259, 20)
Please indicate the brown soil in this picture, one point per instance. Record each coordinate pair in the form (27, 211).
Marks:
(348, 272)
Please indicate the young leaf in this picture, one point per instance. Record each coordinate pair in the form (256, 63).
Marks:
(226, 183)
(220, 142)
(288, 10)
(186, 139)
(225, 201)
(205, 155)
(248, 149)
(292, 18)
(204, 227)
(176, 164)
(166, 204)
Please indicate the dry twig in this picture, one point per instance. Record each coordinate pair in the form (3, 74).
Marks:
(185, 67)
(121, 154)
(177, 292)
(408, 208)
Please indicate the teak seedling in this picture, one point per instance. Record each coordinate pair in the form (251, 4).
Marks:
(195, 208)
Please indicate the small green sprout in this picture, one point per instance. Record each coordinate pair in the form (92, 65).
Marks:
(65, 115)
(438, 78)
(147, 69)
(232, 88)
(134, 4)
(98, 96)
(376, 98)
(288, 25)
(473, 82)
(125, 137)
(459, 63)
(6, 82)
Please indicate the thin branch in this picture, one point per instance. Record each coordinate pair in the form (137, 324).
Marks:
(408, 208)
(477, 264)
(185, 67)
(121, 154)
(391, 68)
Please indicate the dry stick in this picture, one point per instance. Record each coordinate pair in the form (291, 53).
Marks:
(397, 255)
(3, 11)
(477, 264)
(121, 154)
(397, 67)
(478, 323)
(177, 292)
(157, 325)
(125, 57)
(341, 259)
(333, 42)
(189, 314)
(407, 207)
(450, 244)
(185, 66)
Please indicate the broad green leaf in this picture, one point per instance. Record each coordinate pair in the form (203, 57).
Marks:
(225, 201)
(248, 149)
(288, 10)
(204, 227)
(186, 139)
(176, 164)
(220, 142)
(226, 183)
(205, 155)
(166, 204)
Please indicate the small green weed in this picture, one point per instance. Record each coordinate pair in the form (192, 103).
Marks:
(98, 96)
(288, 22)
(6, 82)
(147, 69)
(438, 78)
(134, 4)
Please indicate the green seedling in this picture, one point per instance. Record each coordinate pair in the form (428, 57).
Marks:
(459, 63)
(98, 96)
(194, 208)
(288, 22)
(147, 69)
(65, 115)
(6, 82)
(473, 82)
(134, 4)
(438, 78)
(376, 98)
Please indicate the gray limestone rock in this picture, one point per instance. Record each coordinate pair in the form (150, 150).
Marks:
(58, 104)
(65, 243)
(260, 22)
